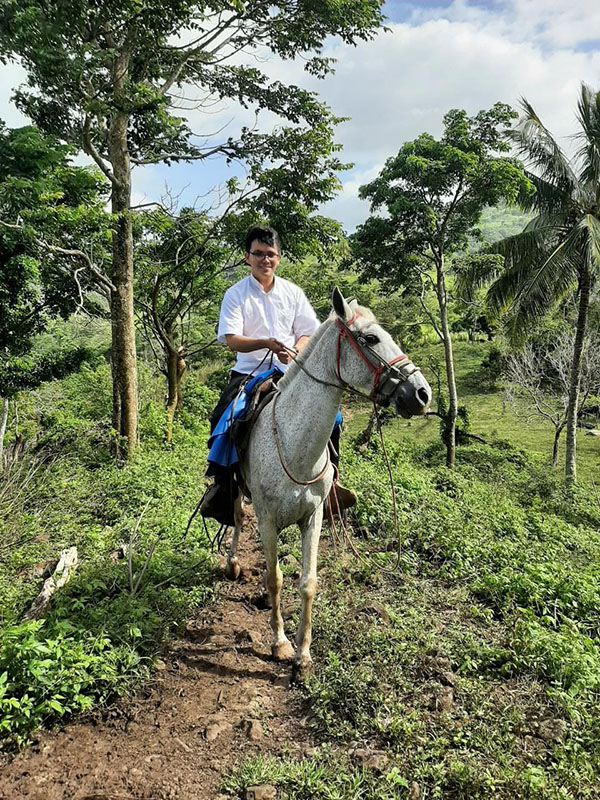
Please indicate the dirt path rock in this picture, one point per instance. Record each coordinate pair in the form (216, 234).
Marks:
(217, 696)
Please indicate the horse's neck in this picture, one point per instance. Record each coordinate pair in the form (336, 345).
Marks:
(311, 407)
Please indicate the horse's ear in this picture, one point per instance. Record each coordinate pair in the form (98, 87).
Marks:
(340, 306)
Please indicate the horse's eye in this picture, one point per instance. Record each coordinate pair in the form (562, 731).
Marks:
(371, 339)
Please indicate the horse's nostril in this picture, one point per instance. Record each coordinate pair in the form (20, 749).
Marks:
(423, 396)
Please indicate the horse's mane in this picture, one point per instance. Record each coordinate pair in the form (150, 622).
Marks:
(294, 368)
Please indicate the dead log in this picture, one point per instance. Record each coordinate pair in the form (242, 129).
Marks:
(62, 574)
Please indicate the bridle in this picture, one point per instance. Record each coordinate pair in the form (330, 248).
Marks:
(379, 367)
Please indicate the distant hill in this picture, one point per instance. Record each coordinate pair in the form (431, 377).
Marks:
(501, 221)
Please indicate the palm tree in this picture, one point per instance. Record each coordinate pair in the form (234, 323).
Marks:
(560, 247)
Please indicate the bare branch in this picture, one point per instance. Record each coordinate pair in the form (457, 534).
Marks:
(91, 151)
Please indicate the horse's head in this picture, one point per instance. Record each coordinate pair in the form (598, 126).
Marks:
(368, 359)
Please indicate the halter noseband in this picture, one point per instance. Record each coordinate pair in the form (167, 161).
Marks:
(386, 368)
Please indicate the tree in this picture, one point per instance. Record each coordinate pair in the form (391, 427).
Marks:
(180, 260)
(560, 247)
(539, 380)
(43, 200)
(433, 193)
(106, 77)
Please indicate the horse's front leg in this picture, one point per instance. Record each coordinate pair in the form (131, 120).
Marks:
(311, 531)
(232, 568)
(281, 647)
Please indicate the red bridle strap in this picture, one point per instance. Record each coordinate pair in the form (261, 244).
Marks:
(377, 371)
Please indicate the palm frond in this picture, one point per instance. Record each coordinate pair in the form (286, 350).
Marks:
(588, 114)
(536, 144)
(548, 198)
(522, 253)
(591, 225)
(548, 283)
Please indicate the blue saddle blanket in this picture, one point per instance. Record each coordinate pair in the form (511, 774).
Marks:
(222, 453)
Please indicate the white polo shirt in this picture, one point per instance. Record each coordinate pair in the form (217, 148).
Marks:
(283, 313)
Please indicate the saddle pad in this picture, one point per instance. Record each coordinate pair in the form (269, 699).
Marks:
(222, 451)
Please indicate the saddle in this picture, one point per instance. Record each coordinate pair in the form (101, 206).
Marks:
(241, 428)
(218, 500)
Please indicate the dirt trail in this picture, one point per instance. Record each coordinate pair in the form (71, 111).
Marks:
(217, 697)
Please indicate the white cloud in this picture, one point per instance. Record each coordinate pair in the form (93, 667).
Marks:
(546, 23)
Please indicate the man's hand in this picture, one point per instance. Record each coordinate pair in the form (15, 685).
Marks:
(277, 347)
(246, 344)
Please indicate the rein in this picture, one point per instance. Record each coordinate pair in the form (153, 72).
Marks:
(383, 368)
(321, 474)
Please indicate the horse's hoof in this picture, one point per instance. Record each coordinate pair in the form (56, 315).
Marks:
(301, 670)
(282, 651)
(232, 569)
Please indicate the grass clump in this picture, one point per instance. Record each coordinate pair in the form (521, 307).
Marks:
(105, 627)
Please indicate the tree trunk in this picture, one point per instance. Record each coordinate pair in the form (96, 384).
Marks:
(450, 430)
(575, 378)
(124, 367)
(557, 433)
(176, 367)
(3, 423)
(181, 368)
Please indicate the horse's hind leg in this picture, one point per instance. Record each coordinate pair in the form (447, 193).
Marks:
(311, 530)
(281, 647)
(232, 568)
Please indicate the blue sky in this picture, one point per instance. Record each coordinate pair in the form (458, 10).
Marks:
(437, 55)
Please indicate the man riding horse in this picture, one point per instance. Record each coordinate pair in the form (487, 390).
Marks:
(262, 318)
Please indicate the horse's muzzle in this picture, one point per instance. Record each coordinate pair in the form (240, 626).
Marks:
(412, 397)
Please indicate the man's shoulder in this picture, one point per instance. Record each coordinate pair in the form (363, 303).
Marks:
(238, 289)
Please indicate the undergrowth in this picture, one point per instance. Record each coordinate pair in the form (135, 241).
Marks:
(475, 669)
(105, 627)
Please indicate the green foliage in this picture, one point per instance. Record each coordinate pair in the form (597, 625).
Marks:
(99, 636)
(43, 198)
(492, 369)
(45, 675)
(28, 373)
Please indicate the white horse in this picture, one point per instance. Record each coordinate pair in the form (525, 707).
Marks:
(287, 467)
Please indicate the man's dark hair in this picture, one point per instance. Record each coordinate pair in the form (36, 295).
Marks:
(264, 235)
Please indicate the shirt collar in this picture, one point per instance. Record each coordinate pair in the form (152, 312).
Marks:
(257, 286)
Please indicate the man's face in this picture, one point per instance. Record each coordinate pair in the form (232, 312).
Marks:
(263, 260)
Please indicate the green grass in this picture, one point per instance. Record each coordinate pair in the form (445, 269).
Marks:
(491, 417)
(103, 629)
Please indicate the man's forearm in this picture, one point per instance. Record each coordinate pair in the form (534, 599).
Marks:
(245, 344)
(248, 344)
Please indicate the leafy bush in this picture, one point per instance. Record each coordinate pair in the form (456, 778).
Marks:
(45, 676)
(83, 498)
(492, 369)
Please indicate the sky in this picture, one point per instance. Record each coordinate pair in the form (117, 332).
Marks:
(435, 55)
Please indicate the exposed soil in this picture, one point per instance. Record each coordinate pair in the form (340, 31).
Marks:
(217, 696)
